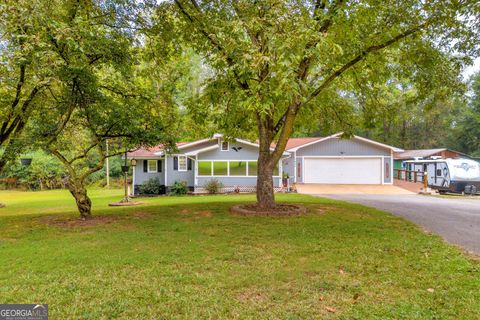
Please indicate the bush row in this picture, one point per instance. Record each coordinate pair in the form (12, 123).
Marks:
(153, 186)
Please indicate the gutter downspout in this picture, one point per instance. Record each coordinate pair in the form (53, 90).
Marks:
(195, 168)
(295, 166)
(133, 180)
(166, 170)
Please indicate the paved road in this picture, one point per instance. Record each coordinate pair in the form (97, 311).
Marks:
(456, 220)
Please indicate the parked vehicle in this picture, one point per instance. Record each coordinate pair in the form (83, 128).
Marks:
(449, 175)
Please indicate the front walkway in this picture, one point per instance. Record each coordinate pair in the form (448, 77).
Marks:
(319, 189)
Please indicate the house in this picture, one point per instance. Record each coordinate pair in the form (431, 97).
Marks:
(234, 164)
(329, 160)
(440, 153)
(333, 160)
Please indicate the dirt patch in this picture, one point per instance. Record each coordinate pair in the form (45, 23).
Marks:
(323, 209)
(278, 210)
(68, 222)
(204, 214)
(195, 215)
(251, 295)
(184, 211)
(141, 215)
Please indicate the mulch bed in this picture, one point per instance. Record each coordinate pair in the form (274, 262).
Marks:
(68, 222)
(278, 210)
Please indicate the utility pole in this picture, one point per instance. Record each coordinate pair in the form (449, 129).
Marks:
(107, 164)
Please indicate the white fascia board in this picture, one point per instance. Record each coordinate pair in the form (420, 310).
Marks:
(183, 146)
(194, 143)
(195, 152)
(316, 141)
(155, 156)
(356, 137)
(379, 144)
(253, 144)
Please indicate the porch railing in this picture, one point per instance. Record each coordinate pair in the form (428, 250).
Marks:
(408, 175)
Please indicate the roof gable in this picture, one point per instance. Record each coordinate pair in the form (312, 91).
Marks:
(339, 134)
(297, 142)
(149, 152)
(425, 153)
(189, 148)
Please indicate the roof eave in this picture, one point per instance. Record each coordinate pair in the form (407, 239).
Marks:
(313, 142)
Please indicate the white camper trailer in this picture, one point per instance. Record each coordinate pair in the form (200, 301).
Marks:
(453, 175)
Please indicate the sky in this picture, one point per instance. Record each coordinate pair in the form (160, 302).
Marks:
(472, 69)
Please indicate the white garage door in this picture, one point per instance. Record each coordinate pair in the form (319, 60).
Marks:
(343, 170)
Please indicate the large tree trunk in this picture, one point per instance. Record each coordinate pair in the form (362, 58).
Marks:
(79, 192)
(268, 159)
(2, 165)
(265, 195)
(265, 192)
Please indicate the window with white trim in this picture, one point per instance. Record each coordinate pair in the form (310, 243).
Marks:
(204, 168)
(225, 146)
(238, 168)
(152, 166)
(230, 168)
(182, 163)
(252, 168)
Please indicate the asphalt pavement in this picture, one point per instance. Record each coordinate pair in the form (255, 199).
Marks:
(456, 219)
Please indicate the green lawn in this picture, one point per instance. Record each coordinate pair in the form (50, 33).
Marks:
(189, 258)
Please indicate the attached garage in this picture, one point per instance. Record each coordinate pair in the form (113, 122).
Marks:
(334, 160)
(343, 170)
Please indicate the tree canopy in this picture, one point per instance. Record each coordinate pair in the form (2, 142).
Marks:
(75, 73)
(276, 62)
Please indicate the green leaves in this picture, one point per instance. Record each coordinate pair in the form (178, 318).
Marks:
(262, 51)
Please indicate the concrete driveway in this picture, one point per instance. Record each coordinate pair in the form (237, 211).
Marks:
(350, 189)
(455, 219)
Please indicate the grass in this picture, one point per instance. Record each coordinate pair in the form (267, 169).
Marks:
(188, 258)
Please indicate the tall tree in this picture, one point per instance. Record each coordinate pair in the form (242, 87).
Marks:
(276, 61)
(25, 73)
(104, 88)
(467, 129)
(402, 114)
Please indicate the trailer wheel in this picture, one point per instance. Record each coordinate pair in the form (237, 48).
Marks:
(442, 192)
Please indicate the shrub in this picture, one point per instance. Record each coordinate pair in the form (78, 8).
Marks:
(213, 186)
(179, 188)
(151, 186)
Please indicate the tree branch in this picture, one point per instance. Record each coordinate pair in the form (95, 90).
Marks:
(359, 58)
(244, 85)
(323, 28)
(18, 122)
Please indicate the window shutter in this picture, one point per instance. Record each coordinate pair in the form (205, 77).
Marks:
(175, 163)
(159, 165)
(145, 165)
(189, 164)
